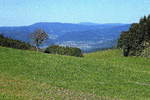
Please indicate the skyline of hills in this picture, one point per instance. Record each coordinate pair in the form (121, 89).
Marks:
(85, 35)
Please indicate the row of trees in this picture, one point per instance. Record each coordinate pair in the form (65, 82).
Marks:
(7, 42)
(136, 41)
(38, 37)
(69, 51)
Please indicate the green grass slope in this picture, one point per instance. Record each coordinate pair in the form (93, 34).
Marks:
(107, 75)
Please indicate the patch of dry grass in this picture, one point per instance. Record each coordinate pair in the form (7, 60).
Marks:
(15, 88)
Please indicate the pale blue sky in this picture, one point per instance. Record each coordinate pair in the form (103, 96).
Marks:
(26, 12)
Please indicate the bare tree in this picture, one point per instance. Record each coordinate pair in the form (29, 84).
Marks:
(38, 37)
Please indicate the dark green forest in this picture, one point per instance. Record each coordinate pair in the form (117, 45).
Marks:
(136, 41)
(17, 44)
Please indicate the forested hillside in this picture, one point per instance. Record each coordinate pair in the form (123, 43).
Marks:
(136, 41)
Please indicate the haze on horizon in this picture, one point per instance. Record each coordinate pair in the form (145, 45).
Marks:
(27, 12)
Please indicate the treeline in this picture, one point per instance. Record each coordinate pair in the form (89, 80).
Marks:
(69, 51)
(55, 49)
(136, 41)
(8, 42)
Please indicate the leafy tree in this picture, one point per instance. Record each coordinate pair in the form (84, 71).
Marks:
(38, 37)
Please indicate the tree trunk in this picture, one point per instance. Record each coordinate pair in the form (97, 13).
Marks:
(37, 49)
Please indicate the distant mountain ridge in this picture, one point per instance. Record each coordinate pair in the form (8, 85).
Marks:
(83, 35)
(90, 23)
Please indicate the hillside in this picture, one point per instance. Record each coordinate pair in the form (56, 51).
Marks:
(106, 74)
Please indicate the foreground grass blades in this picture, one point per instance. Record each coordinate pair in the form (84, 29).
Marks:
(99, 75)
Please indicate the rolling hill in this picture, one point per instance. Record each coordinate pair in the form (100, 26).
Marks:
(101, 75)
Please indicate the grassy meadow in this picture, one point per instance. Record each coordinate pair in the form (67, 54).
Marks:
(104, 75)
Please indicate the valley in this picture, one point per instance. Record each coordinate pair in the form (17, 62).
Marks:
(88, 37)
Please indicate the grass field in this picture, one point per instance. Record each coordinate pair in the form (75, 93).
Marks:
(104, 75)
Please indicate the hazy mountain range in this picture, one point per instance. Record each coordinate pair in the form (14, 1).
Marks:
(86, 35)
